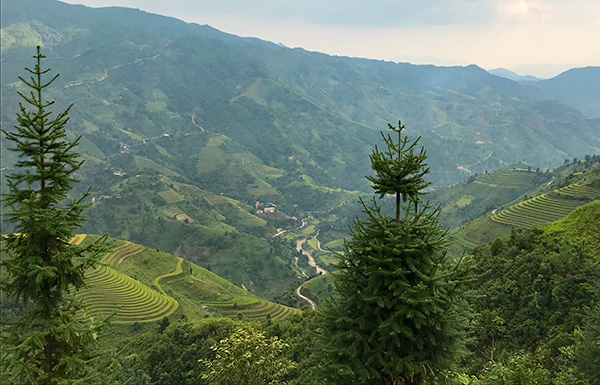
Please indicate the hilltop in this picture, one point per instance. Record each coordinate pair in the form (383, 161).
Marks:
(140, 76)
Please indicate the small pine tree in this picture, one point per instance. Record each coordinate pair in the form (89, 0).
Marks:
(397, 314)
(48, 344)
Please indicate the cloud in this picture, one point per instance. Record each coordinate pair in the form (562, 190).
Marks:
(375, 13)
(523, 9)
(490, 33)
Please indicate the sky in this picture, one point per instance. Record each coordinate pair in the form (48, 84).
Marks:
(535, 37)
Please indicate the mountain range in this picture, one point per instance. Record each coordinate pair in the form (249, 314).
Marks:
(188, 131)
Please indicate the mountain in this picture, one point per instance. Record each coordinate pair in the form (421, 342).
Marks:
(146, 74)
(504, 73)
(578, 88)
(189, 132)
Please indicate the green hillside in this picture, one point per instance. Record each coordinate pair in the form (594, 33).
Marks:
(534, 291)
(582, 226)
(571, 186)
(219, 233)
(319, 288)
(138, 284)
(547, 207)
(481, 194)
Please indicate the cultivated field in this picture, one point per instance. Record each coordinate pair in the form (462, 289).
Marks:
(548, 207)
(139, 284)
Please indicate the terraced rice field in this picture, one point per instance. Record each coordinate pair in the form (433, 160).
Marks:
(578, 190)
(335, 244)
(546, 207)
(128, 300)
(260, 311)
(172, 211)
(505, 178)
(78, 238)
(110, 292)
(163, 284)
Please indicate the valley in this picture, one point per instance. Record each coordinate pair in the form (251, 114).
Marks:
(210, 199)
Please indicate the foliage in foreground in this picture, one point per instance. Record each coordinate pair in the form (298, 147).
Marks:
(397, 315)
(533, 294)
(247, 357)
(47, 344)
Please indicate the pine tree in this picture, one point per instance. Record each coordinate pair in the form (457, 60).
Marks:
(397, 313)
(42, 269)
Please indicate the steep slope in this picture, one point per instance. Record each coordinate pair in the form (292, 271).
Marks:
(139, 76)
(139, 284)
(214, 231)
(531, 290)
(481, 194)
(572, 186)
(578, 88)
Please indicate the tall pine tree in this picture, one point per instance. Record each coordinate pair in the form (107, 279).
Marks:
(49, 344)
(397, 314)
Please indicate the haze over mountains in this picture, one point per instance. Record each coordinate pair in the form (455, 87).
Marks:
(228, 176)
(201, 114)
(276, 102)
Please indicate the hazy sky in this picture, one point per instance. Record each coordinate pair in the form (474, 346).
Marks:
(538, 37)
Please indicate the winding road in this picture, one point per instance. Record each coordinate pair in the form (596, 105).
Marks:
(312, 303)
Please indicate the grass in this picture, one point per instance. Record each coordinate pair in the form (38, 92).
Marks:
(320, 287)
(336, 244)
(308, 230)
(540, 209)
(156, 106)
(172, 211)
(211, 159)
(475, 233)
(464, 201)
(139, 284)
(313, 244)
(146, 164)
(171, 196)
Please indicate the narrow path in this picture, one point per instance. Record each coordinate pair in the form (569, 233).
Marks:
(467, 167)
(105, 74)
(194, 121)
(279, 232)
(319, 242)
(175, 271)
(312, 303)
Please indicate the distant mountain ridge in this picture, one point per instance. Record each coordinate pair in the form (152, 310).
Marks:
(246, 88)
(504, 73)
(184, 128)
(578, 88)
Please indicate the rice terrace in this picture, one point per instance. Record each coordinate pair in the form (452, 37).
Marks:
(139, 284)
(547, 207)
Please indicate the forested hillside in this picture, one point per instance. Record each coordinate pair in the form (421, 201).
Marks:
(138, 76)
(260, 227)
